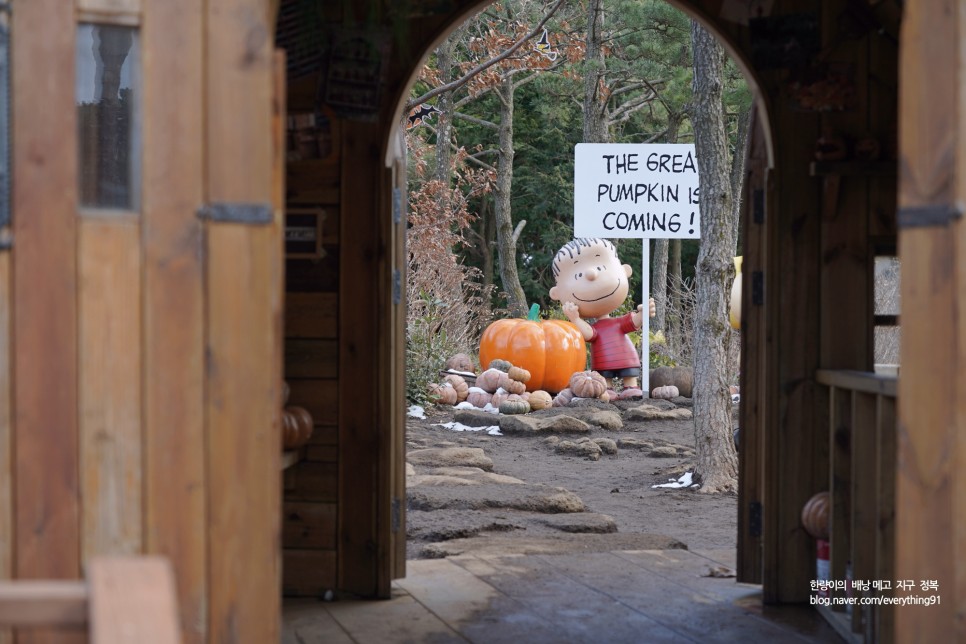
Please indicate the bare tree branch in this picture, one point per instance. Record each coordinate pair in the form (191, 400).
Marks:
(473, 119)
(518, 230)
(483, 66)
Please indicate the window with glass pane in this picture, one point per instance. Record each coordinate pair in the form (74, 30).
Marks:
(888, 335)
(108, 128)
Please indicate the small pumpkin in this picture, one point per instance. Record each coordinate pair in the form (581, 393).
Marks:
(518, 406)
(459, 384)
(501, 365)
(478, 397)
(443, 394)
(540, 399)
(563, 398)
(588, 384)
(519, 374)
(297, 427)
(490, 380)
(460, 362)
(815, 515)
(667, 392)
(515, 387)
(550, 350)
(499, 396)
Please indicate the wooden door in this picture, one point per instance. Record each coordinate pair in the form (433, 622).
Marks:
(141, 302)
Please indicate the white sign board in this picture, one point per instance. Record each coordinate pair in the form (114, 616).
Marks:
(636, 190)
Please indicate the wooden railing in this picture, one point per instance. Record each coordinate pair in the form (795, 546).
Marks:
(123, 600)
(862, 464)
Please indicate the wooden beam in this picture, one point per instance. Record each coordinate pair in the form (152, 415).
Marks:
(244, 271)
(46, 516)
(930, 485)
(175, 486)
(363, 429)
(6, 428)
(43, 603)
(109, 312)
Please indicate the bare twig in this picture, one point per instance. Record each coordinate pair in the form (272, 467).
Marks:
(459, 82)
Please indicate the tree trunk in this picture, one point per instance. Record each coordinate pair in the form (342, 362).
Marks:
(738, 170)
(595, 125)
(486, 233)
(675, 303)
(717, 460)
(444, 122)
(659, 274)
(506, 244)
(659, 281)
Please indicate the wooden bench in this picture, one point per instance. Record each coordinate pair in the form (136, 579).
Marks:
(124, 599)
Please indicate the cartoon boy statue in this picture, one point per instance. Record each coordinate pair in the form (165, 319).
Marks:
(592, 283)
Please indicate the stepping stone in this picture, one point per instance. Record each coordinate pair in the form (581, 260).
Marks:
(524, 496)
(582, 522)
(447, 456)
(649, 412)
(531, 424)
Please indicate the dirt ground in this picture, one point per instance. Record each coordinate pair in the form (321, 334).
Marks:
(621, 509)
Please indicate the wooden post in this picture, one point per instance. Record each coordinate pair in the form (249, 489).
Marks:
(243, 277)
(175, 485)
(45, 354)
(931, 481)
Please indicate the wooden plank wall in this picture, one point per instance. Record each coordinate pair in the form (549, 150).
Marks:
(310, 506)
(931, 452)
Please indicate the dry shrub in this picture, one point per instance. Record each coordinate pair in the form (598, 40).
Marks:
(447, 306)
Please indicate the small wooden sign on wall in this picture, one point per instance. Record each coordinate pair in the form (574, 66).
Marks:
(303, 233)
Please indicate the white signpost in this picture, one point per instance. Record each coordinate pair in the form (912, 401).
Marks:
(639, 191)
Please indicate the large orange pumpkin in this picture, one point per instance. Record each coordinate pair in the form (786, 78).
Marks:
(551, 350)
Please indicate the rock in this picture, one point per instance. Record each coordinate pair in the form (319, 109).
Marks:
(551, 440)
(448, 456)
(587, 448)
(437, 526)
(531, 424)
(476, 475)
(475, 417)
(680, 377)
(656, 402)
(663, 451)
(606, 445)
(649, 412)
(439, 479)
(526, 496)
(410, 470)
(499, 545)
(581, 522)
(635, 443)
(600, 414)
(681, 401)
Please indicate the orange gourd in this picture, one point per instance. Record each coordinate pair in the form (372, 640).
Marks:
(551, 350)
(815, 515)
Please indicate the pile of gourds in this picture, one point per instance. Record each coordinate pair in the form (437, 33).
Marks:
(502, 386)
